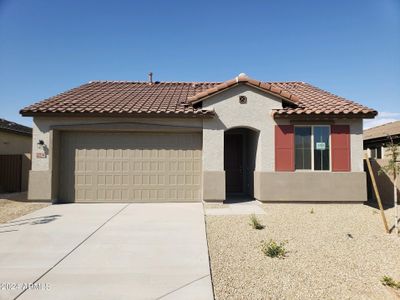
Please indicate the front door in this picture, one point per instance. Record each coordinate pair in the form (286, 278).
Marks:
(233, 162)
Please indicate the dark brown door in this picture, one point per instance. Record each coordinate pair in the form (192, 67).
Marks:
(233, 161)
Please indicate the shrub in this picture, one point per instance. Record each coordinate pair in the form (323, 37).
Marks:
(255, 223)
(312, 211)
(390, 282)
(274, 249)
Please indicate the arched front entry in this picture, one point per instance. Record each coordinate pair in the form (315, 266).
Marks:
(240, 148)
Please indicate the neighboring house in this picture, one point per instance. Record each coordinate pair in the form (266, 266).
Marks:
(375, 140)
(187, 141)
(15, 157)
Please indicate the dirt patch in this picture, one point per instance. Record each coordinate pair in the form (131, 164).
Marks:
(335, 251)
(14, 205)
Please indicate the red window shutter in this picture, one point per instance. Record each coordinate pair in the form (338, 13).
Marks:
(340, 139)
(284, 148)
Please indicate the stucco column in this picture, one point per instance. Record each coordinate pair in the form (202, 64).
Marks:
(41, 175)
(213, 162)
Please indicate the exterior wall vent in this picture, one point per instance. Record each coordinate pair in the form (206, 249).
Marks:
(242, 99)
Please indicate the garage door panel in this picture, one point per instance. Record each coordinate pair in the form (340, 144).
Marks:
(122, 167)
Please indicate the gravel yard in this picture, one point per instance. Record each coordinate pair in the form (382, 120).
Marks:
(13, 206)
(338, 252)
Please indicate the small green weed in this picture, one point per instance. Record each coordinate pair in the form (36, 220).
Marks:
(390, 282)
(273, 249)
(255, 222)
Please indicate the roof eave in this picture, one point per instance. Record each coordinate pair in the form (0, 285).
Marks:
(314, 116)
(16, 131)
(207, 114)
(381, 139)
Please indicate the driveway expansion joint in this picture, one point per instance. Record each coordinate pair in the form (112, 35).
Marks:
(75, 248)
(183, 286)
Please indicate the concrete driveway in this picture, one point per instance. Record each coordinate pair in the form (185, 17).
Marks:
(106, 251)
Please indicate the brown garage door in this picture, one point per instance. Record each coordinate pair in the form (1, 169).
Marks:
(130, 167)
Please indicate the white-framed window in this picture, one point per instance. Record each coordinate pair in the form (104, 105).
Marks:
(312, 147)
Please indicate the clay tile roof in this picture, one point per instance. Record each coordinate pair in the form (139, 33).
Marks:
(382, 131)
(244, 79)
(181, 98)
(124, 97)
(316, 102)
(14, 127)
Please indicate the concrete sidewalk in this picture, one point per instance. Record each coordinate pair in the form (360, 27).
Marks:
(108, 251)
(229, 209)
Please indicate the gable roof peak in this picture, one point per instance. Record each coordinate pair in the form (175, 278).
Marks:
(242, 78)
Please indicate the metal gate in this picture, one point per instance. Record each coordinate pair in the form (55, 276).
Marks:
(10, 173)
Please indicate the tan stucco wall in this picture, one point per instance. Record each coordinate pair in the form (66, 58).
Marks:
(311, 186)
(212, 182)
(256, 114)
(11, 143)
(384, 182)
(44, 183)
(40, 186)
(356, 140)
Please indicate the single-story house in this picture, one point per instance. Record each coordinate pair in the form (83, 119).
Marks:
(109, 141)
(375, 145)
(15, 156)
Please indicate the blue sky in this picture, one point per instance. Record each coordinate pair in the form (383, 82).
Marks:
(351, 48)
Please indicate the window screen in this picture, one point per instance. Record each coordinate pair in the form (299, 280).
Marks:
(321, 148)
(303, 148)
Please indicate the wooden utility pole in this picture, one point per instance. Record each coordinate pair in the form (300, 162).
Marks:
(378, 197)
(396, 210)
